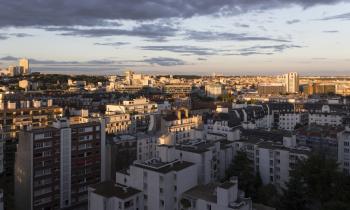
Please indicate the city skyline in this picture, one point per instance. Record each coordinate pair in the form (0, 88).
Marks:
(199, 37)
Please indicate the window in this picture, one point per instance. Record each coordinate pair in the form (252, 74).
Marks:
(208, 207)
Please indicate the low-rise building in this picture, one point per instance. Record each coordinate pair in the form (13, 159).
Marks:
(223, 196)
(162, 181)
(111, 196)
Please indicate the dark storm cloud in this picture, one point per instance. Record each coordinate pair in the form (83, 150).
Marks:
(162, 61)
(290, 22)
(152, 31)
(101, 12)
(192, 50)
(218, 36)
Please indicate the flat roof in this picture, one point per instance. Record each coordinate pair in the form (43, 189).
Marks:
(111, 189)
(164, 167)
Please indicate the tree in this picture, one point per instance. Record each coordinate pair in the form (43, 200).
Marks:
(242, 168)
(268, 195)
(316, 183)
(294, 197)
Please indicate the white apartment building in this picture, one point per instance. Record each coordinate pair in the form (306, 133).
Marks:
(111, 196)
(119, 124)
(273, 161)
(326, 119)
(224, 196)
(140, 106)
(146, 146)
(162, 181)
(179, 125)
(344, 150)
(291, 82)
(288, 120)
(205, 155)
(214, 90)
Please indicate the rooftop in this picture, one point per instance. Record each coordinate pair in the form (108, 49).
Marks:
(110, 189)
(164, 167)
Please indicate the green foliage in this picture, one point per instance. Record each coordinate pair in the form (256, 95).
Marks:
(268, 195)
(316, 183)
(185, 203)
(241, 167)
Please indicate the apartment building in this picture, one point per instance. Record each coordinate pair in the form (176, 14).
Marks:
(139, 106)
(162, 181)
(123, 150)
(55, 165)
(111, 196)
(291, 82)
(222, 124)
(177, 89)
(289, 120)
(214, 90)
(17, 115)
(326, 114)
(141, 111)
(216, 196)
(119, 124)
(344, 150)
(271, 88)
(179, 124)
(205, 155)
(323, 139)
(273, 160)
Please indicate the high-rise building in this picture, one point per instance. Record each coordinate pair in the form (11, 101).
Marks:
(24, 65)
(214, 90)
(291, 81)
(55, 165)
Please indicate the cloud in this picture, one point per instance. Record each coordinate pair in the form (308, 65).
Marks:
(163, 61)
(345, 16)
(249, 53)
(192, 50)
(241, 25)
(61, 63)
(202, 59)
(290, 22)
(319, 59)
(113, 44)
(263, 50)
(153, 31)
(9, 58)
(331, 31)
(4, 36)
(103, 12)
(273, 48)
(225, 36)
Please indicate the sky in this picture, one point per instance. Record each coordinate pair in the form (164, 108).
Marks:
(231, 37)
